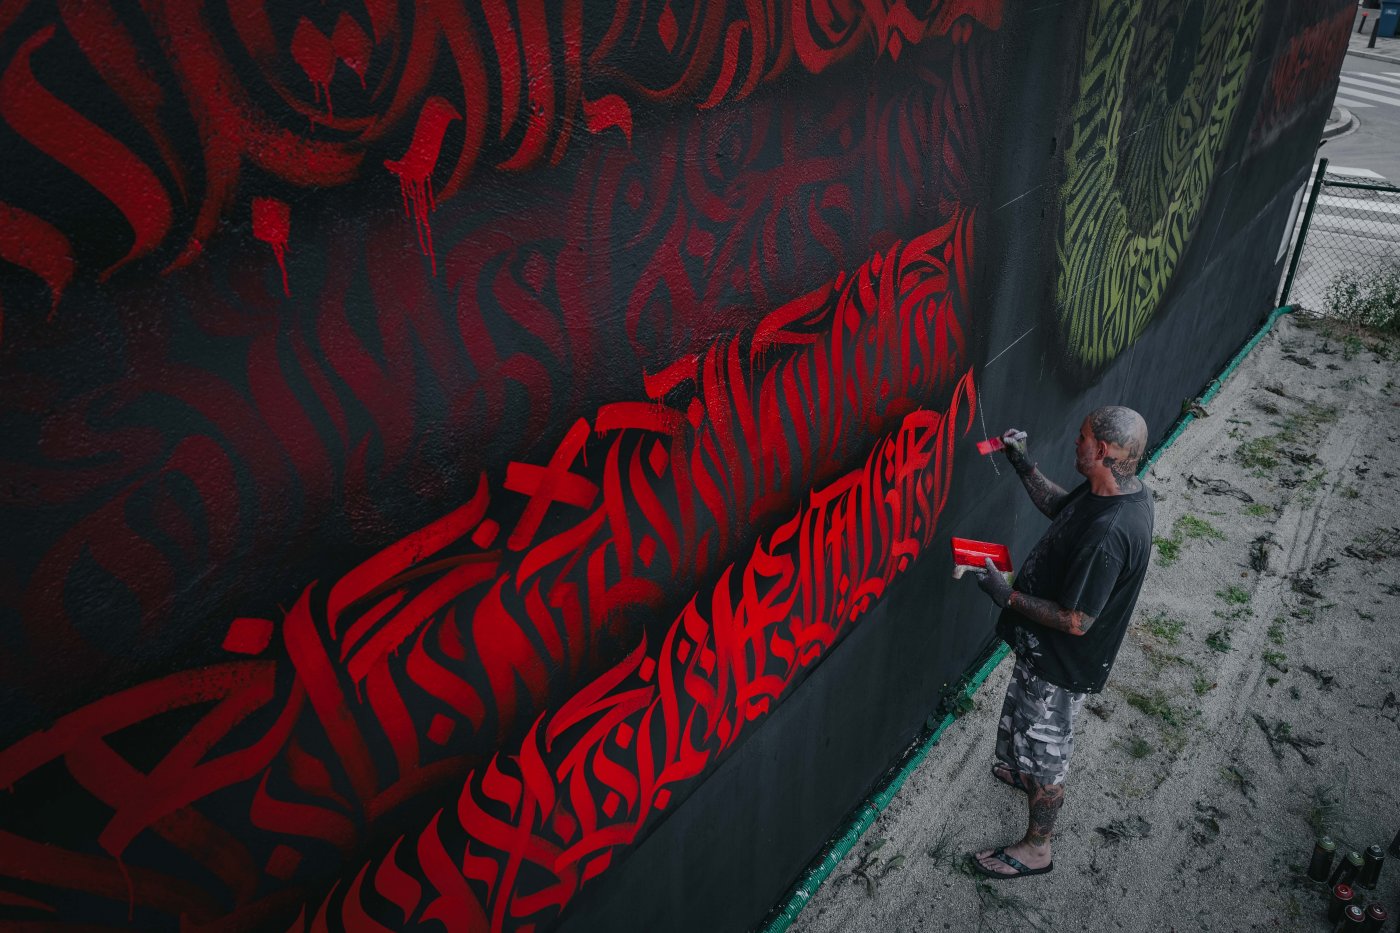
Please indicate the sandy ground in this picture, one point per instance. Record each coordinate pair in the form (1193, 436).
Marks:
(1253, 705)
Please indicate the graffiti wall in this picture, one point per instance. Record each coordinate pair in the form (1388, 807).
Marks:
(490, 465)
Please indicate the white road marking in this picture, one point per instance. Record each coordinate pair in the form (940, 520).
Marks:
(1367, 95)
(1349, 82)
(1353, 104)
(1373, 77)
(1358, 204)
(1353, 172)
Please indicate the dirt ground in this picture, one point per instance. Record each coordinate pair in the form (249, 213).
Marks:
(1253, 705)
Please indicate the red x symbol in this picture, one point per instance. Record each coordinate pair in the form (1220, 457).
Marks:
(546, 485)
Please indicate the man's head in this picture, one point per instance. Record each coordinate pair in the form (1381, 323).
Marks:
(1111, 439)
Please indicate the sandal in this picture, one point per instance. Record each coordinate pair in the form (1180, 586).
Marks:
(1019, 869)
(1014, 781)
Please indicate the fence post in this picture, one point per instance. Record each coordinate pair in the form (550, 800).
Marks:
(1303, 230)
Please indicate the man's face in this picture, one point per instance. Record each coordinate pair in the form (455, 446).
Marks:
(1086, 450)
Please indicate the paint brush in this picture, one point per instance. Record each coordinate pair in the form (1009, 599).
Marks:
(993, 444)
(972, 555)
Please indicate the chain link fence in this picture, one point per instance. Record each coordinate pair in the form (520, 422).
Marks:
(1345, 249)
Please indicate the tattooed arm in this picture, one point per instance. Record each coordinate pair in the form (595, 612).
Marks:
(1047, 496)
(1050, 614)
(1045, 611)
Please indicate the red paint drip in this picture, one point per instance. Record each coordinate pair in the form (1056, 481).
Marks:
(272, 223)
(351, 46)
(316, 56)
(415, 169)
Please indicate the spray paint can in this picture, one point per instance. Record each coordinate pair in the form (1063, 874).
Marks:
(1353, 920)
(1371, 870)
(1341, 898)
(1347, 869)
(1321, 862)
(1375, 917)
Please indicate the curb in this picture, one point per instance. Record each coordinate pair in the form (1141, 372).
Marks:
(1374, 56)
(783, 914)
(1344, 124)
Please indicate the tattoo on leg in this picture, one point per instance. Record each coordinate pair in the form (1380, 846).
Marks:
(1045, 803)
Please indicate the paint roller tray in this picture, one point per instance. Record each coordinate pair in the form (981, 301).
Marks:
(971, 554)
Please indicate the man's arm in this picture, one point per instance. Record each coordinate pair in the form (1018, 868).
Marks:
(1045, 611)
(1047, 496)
(1050, 614)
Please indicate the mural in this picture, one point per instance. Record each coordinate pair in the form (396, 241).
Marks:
(1305, 70)
(438, 435)
(1159, 86)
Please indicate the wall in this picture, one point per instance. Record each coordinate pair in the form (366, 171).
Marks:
(492, 464)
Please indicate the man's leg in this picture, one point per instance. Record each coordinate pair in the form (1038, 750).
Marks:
(1036, 735)
(1033, 849)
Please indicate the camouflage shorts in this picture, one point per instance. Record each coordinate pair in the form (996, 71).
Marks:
(1036, 732)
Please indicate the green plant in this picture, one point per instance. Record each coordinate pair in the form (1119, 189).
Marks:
(1219, 640)
(1202, 685)
(1276, 659)
(1259, 509)
(1168, 550)
(1350, 492)
(1366, 298)
(1138, 747)
(1155, 704)
(1163, 627)
(1234, 595)
(1189, 526)
(1276, 630)
(1258, 454)
(1326, 804)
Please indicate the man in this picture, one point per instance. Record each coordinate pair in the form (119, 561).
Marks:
(1066, 616)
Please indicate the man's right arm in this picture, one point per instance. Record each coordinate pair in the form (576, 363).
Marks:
(1047, 495)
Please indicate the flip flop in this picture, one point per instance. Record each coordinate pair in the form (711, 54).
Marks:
(1013, 782)
(1020, 870)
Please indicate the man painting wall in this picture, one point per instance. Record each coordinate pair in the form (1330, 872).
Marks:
(1065, 617)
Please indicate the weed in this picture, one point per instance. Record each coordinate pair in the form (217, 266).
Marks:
(1202, 685)
(1366, 299)
(1168, 550)
(1276, 659)
(944, 847)
(1259, 509)
(1189, 526)
(1138, 747)
(1326, 805)
(1234, 595)
(1155, 705)
(1219, 640)
(1165, 628)
(1350, 492)
(1351, 345)
(1258, 454)
(1276, 630)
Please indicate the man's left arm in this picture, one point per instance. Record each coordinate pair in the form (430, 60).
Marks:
(1046, 612)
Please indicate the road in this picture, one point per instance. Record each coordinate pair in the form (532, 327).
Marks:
(1355, 233)
(1370, 90)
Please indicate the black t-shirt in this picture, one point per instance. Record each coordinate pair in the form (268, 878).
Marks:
(1092, 558)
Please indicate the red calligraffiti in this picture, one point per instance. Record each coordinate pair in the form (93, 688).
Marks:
(522, 69)
(379, 374)
(591, 777)
(1301, 70)
(419, 663)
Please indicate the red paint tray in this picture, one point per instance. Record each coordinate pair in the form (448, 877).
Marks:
(971, 554)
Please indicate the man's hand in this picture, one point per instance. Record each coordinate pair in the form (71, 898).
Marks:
(994, 584)
(1014, 445)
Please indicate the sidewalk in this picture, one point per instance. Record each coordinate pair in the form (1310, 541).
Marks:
(1253, 705)
(1386, 50)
